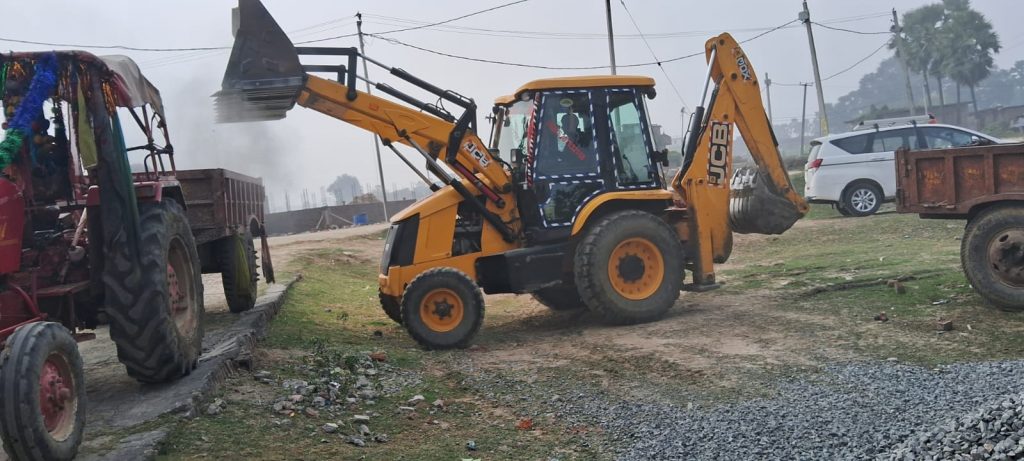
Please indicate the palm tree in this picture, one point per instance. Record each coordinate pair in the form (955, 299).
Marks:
(969, 43)
(921, 43)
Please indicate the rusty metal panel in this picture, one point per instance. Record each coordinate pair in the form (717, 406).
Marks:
(969, 177)
(220, 201)
(1009, 173)
(951, 182)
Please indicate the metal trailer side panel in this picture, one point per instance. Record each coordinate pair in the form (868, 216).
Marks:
(953, 182)
(220, 201)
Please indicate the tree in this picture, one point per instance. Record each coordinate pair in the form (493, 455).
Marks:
(345, 188)
(921, 44)
(969, 43)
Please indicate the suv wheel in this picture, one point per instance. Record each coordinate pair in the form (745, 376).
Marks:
(862, 199)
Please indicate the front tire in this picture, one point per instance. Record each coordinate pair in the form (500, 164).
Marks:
(442, 309)
(629, 267)
(238, 271)
(992, 255)
(42, 393)
(862, 199)
(156, 309)
(391, 306)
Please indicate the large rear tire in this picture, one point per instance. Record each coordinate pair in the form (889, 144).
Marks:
(442, 309)
(992, 255)
(564, 297)
(629, 267)
(238, 271)
(42, 393)
(156, 310)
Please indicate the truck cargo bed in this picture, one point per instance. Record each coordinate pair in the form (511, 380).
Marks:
(954, 183)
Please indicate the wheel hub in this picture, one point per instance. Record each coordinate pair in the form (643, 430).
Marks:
(1006, 256)
(180, 293)
(441, 310)
(636, 268)
(631, 268)
(56, 396)
(863, 200)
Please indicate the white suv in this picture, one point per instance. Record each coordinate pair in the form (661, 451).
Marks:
(856, 171)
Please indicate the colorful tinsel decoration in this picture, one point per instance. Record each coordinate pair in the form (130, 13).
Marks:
(20, 125)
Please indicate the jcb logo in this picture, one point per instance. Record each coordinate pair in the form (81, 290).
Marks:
(718, 160)
(480, 157)
(741, 62)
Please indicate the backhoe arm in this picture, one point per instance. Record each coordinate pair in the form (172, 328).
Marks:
(718, 202)
(264, 79)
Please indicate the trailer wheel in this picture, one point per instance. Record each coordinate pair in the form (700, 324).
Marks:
(42, 393)
(992, 255)
(564, 297)
(238, 271)
(629, 267)
(391, 306)
(156, 314)
(442, 309)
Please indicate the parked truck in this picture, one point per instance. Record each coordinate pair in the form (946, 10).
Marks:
(83, 237)
(985, 186)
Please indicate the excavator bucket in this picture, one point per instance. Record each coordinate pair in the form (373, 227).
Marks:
(756, 208)
(264, 76)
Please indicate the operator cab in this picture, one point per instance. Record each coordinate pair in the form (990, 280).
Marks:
(571, 139)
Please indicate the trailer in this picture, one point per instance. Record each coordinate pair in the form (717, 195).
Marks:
(985, 186)
(225, 210)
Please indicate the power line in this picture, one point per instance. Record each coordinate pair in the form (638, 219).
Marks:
(538, 66)
(851, 30)
(858, 62)
(433, 24)
(670, 82)
(113, 47)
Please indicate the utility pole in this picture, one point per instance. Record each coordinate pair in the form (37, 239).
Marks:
(376, 142)
(611, 39)
(898, 38)
(805, 16)
(768, 91)
(803, 118)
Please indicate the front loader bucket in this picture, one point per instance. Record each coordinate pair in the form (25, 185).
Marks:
(264, 76)
(756, 208)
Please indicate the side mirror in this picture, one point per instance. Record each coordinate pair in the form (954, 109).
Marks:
(517, 156)
(660, 156)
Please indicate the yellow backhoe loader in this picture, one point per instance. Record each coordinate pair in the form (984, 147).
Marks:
(569, 201)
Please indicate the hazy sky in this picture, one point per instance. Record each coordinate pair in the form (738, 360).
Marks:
(308, 149)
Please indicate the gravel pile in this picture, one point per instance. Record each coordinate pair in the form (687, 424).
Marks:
(995, 431)
(852, 411)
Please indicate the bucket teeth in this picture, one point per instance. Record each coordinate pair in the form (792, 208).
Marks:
(756, 208)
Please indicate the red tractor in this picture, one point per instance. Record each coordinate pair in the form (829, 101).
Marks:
(83, 238)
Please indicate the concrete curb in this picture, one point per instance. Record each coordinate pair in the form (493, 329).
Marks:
(225, 351)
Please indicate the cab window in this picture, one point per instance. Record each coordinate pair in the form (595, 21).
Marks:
(629, 146)
(513, 130)
(566, 144)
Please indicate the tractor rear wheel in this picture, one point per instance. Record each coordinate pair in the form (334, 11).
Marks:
(391, 306)
(992, 255)
(42, 393)
(564, 297)
(629, 267)
(156, 309)
(442, 309)
(238, 271)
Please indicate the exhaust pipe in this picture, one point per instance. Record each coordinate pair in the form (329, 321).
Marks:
(263, 77)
